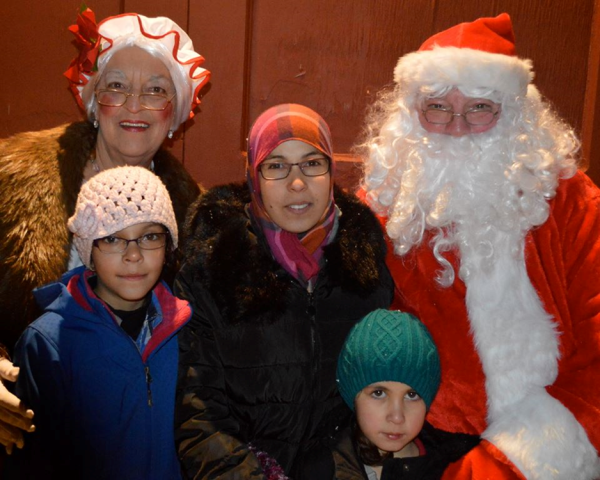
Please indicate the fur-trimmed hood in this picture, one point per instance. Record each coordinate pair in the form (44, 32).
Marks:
(237, 269)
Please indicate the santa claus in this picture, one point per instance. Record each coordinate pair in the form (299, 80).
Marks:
(494, 244)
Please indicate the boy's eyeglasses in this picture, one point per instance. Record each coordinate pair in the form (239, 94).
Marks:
(314, 167)
(113, 244)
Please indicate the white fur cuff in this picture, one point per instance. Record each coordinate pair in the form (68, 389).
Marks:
(544, 440)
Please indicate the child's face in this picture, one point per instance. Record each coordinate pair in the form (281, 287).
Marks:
(124, 279)
(391, 415)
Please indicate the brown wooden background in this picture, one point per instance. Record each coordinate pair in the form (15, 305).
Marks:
(331, 55)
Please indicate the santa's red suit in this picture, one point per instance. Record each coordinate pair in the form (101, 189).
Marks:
(518, 329)
(563, 263)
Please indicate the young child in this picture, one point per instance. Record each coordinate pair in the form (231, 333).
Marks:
(99, 366)
(388, 374)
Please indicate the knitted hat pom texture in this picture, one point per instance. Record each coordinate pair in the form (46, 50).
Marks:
(389, 346)
(116, 199)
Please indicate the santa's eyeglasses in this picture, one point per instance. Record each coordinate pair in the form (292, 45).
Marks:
(479, 115)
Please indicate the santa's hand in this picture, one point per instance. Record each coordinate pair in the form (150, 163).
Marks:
(14, 416)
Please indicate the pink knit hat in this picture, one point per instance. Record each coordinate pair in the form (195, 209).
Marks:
(116, 199)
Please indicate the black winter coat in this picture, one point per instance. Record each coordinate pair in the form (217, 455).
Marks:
(340, 461)
(258, 358)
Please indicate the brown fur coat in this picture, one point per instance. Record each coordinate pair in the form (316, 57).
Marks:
(40, 176)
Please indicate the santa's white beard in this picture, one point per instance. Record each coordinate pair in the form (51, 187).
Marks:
(462, 189)
(466, 196)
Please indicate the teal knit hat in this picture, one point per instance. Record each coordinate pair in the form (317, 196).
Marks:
(388, 346)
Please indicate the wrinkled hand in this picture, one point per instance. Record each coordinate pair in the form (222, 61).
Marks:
(14, 416)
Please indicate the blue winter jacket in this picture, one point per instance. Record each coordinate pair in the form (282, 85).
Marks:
(103, 409)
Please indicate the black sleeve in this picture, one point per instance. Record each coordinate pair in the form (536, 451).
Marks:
(316, 464)
(205, 431)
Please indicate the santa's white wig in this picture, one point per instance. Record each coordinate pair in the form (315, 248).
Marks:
(424, 181)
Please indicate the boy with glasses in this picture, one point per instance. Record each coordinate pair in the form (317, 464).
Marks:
(99, 367)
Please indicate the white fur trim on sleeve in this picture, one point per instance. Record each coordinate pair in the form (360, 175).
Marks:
(544, 440)
(464, 67)
(518, 346)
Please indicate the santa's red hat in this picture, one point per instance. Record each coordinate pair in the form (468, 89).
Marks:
(473, 54)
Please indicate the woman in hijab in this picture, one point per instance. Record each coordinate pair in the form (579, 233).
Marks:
(277, 272)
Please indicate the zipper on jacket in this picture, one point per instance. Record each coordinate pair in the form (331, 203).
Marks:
(312, 311)
(148, 384)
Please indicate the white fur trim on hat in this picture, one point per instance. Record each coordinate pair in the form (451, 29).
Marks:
(463, 67)
(116, 199)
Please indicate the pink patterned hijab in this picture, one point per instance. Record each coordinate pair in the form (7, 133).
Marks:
(298, 254)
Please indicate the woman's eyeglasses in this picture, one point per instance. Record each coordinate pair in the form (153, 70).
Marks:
(149, 101)
(314, 167)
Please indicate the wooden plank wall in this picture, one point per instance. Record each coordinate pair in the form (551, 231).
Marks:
(333, 56)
